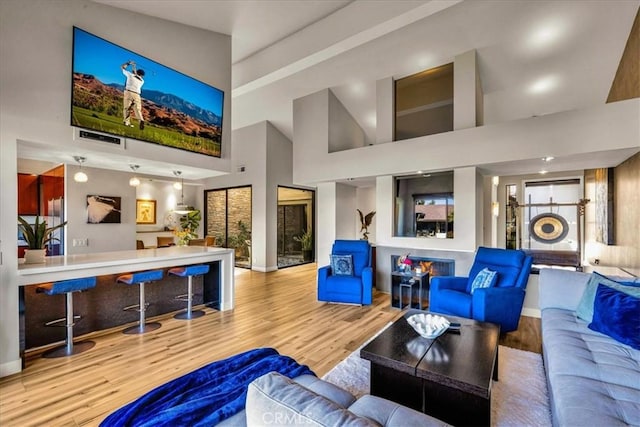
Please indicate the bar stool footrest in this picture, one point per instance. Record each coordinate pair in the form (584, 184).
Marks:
(136, 307)
(55, 322)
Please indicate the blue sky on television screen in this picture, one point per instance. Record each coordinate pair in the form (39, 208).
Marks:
(103, 59)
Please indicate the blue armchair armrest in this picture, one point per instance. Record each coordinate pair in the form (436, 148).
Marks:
(498, 305)
(324, 272)
(367, 285)
(456, 283)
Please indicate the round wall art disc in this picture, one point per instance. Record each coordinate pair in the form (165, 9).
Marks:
(548, 228)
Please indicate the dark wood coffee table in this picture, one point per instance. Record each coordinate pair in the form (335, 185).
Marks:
(448, 377)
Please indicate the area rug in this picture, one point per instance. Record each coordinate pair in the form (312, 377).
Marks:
(518, 399)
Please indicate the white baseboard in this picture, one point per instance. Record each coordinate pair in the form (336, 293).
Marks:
(264, 269)
(531, 312)
(10, 368)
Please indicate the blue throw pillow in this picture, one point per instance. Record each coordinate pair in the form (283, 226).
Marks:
(484, 279)
(585, 307)
(617, 315)
(342, 265)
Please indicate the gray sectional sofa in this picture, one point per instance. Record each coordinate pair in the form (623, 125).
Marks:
(275, 400)
(593, 379)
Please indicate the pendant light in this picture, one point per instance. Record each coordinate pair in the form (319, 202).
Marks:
(181, 208)
(134, 181)
(80, 176)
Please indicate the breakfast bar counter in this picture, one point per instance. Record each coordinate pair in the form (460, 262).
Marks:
(102, 307)
(88, 265)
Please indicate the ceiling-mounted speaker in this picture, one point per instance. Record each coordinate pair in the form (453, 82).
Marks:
(548, 228)
(93, 136)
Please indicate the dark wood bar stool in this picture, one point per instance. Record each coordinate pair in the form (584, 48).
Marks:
(189, 272)
(67, 287)
(140, 279)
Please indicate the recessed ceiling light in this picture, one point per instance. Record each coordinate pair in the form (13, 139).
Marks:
(545, 35)
(544, 84)
(548, 158)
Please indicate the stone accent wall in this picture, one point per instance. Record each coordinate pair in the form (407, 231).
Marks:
(219, 212)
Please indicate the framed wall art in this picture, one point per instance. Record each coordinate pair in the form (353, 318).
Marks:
(103, 209)
(145, 211)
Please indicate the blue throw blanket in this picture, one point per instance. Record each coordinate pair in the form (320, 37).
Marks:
(207, 395)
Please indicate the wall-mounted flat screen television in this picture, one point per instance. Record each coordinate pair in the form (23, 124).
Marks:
(117, 91)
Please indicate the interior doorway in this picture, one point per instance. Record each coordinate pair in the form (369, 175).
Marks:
(296, 236)
(228, 219)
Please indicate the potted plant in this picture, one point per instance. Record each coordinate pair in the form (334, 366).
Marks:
(189, 223)
(37, 235)
(241, 242)
(306, 240)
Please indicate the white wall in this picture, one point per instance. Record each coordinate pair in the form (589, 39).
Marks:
(344, 132)
(326, 197)
(345, 211)
(385, 110)
(101, 237)
(464, 96)
(36, 47)
(279, 172)
(310, 131)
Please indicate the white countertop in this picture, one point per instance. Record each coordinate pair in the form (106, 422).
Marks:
(65, 267)
(103, 259)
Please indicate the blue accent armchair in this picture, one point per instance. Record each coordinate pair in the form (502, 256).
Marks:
(356, 289)
(500, 304)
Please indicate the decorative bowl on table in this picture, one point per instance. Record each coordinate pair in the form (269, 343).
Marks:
(428, 325)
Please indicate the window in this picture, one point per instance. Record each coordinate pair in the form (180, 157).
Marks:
(424, 103)
(424, 206)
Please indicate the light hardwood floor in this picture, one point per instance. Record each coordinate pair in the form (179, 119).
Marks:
(276, 309)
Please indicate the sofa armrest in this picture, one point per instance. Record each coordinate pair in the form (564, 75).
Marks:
(274, 399)
(391, 414)
(561, 288)
(455, 283)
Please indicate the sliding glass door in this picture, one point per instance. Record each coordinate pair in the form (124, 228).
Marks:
(296, 240)
(228, 219)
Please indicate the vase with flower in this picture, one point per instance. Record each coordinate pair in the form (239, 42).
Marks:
(404, 263)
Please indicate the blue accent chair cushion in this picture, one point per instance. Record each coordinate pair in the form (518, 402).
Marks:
(585, 306)
(342, 265)
(501, 303)
(617, 314)
(351, 289)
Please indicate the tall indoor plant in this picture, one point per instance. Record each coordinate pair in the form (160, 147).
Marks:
(37, 235)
